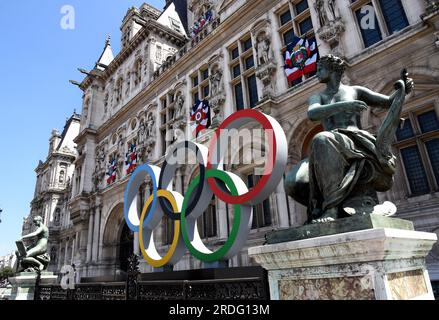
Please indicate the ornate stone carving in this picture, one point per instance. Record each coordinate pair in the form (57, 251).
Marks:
(215, 80)
(121, 153)
(436, 35)
(179, 111)
(432, 6)
(146, 137)
(266, 74)
(217, 94)
(196, 6)
(266, 65)
(263, 44)
(331, 24)
(99, 172)
(141, 133)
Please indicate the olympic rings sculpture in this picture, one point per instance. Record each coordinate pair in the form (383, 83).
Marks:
(212, 180)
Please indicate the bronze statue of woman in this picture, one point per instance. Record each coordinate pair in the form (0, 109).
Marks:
(36, 256)
(347, 165)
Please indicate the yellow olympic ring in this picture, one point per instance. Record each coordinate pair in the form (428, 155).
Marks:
(151, 255)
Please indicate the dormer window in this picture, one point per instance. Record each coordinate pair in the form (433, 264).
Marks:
(175, 24)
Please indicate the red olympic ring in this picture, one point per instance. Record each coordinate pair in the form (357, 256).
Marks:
(235, 119)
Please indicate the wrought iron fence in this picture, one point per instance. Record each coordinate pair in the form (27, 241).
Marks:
(241, 288)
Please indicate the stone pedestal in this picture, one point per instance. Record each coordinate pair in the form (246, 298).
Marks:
(372, 264)
(23, 284)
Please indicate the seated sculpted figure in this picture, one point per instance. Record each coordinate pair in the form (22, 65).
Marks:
(36, 257)
(347, 166)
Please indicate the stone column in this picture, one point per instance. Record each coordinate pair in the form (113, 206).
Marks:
(136, 243)
(90, 235)
(59, 256)
(96, 235)
(228, 107)
(73, 249)
(66, 252)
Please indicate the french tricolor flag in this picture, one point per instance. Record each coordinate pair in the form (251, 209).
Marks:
(200, 113)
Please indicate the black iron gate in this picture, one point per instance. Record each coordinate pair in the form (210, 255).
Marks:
(209, 284)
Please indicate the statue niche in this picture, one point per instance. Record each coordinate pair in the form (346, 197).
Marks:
(217, 93)
(146, 137)
(99, 172)
(347, 166)
(331, 24)
(265, 63)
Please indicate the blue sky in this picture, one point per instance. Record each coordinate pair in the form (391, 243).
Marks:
(37, 58)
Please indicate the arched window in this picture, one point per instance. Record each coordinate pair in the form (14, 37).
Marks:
(207, 224)
(61, 176)
(53, 254)
(418, 145)
(57, 216)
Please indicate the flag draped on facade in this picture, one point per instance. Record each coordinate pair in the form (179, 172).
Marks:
(300, 58)
(131, 159)
(200, 113)
(200, 23)
(111, 171)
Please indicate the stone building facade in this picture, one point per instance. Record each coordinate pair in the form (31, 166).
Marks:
(53, 191)
(236, 60)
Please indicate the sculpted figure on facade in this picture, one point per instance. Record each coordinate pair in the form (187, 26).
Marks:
(146, 137)
(99, 172)
(215, 80)
(217, 94)
(179, 106)
(347, 165)
(121, 154)
(150, 131)
(321, 12)
(432, 6)
(141, 133)
(331, 24)
(265, 63)
(263, 48)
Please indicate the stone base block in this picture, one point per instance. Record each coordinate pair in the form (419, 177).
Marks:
(23, 284)
(374, 264)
